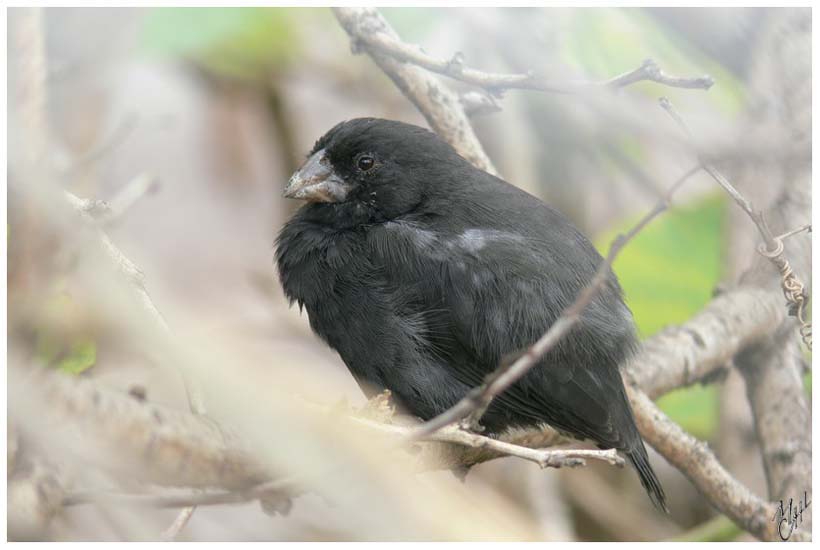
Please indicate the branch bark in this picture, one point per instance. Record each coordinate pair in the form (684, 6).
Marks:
(390, 44)
(699, 464)
(773, 368)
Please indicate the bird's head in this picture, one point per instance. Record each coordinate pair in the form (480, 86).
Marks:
(373, 168)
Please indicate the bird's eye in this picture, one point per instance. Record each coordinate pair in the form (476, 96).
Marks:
(365, 163)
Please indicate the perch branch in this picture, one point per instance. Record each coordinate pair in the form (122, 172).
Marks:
(545, 458)
(211, 458)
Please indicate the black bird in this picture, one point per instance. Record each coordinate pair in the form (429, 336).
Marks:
(424, 272)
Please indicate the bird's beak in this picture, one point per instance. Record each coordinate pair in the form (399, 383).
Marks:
(316, 181)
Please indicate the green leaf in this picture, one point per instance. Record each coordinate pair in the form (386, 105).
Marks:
(717, 529)
(82, 356)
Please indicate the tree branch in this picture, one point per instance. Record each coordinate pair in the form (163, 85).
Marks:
(694, 459)
(389, 43)
(690, 353)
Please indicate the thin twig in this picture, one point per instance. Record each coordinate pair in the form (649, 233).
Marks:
(755, 215)
(546, 458)
(502, 378)
(110, 142)
(179, 500)
(136, 278)
(134, 275)
(772, 247)
(179, 523)
(130, 194)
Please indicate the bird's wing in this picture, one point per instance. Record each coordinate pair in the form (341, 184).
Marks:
(495, 293)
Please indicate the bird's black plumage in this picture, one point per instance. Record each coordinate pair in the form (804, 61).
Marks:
(424, 272)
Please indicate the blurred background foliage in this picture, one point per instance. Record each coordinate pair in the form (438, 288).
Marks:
(246, 43)
(275, 78)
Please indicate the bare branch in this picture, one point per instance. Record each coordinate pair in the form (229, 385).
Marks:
(178, 500)
(172, 531)
(390, 44)
(545, 458)
(479, 398)
(690, 353)
(772, 368)
(699, 464)
(138, 439)
(130, 194)
(137, 282)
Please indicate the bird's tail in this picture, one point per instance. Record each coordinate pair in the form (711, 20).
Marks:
(637, 455)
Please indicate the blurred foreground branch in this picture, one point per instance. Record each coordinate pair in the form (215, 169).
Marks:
(176, 449)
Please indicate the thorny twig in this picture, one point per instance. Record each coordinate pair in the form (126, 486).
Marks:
(479, 398)
(771, 247)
